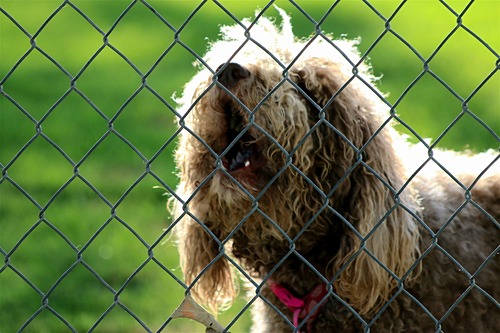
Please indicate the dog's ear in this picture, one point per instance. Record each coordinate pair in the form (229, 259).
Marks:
(209, 273)
(357, 165)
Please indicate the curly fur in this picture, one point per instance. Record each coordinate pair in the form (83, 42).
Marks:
(333, 183)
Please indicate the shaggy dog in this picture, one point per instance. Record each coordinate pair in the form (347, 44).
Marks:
(291, 173)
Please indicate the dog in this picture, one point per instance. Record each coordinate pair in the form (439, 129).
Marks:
(292, 174)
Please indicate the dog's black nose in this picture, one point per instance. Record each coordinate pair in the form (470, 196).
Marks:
(232, 74)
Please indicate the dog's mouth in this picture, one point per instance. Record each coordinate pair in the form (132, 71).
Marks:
(240, 155)
(244, 155)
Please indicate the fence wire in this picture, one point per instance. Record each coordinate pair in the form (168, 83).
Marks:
(36, 207)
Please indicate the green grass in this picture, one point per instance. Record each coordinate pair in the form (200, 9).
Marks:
(95, 223)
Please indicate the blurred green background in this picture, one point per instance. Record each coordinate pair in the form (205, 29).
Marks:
(115, 223)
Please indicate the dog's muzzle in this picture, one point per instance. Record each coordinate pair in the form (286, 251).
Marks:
(231, 73)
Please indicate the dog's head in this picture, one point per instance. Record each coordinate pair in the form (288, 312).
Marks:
(276, 147)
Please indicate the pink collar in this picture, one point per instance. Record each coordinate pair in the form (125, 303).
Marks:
(301, 307)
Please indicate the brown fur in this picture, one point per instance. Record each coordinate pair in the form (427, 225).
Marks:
(330, 181)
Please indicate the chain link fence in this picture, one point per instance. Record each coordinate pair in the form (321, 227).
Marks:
(87, 132)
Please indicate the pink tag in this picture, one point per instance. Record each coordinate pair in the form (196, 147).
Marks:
(286, 297)
(300, 307)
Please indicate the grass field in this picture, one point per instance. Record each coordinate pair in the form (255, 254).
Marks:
(83, 143)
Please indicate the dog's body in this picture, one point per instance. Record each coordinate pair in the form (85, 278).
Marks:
(300, 176)
(469, 239)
